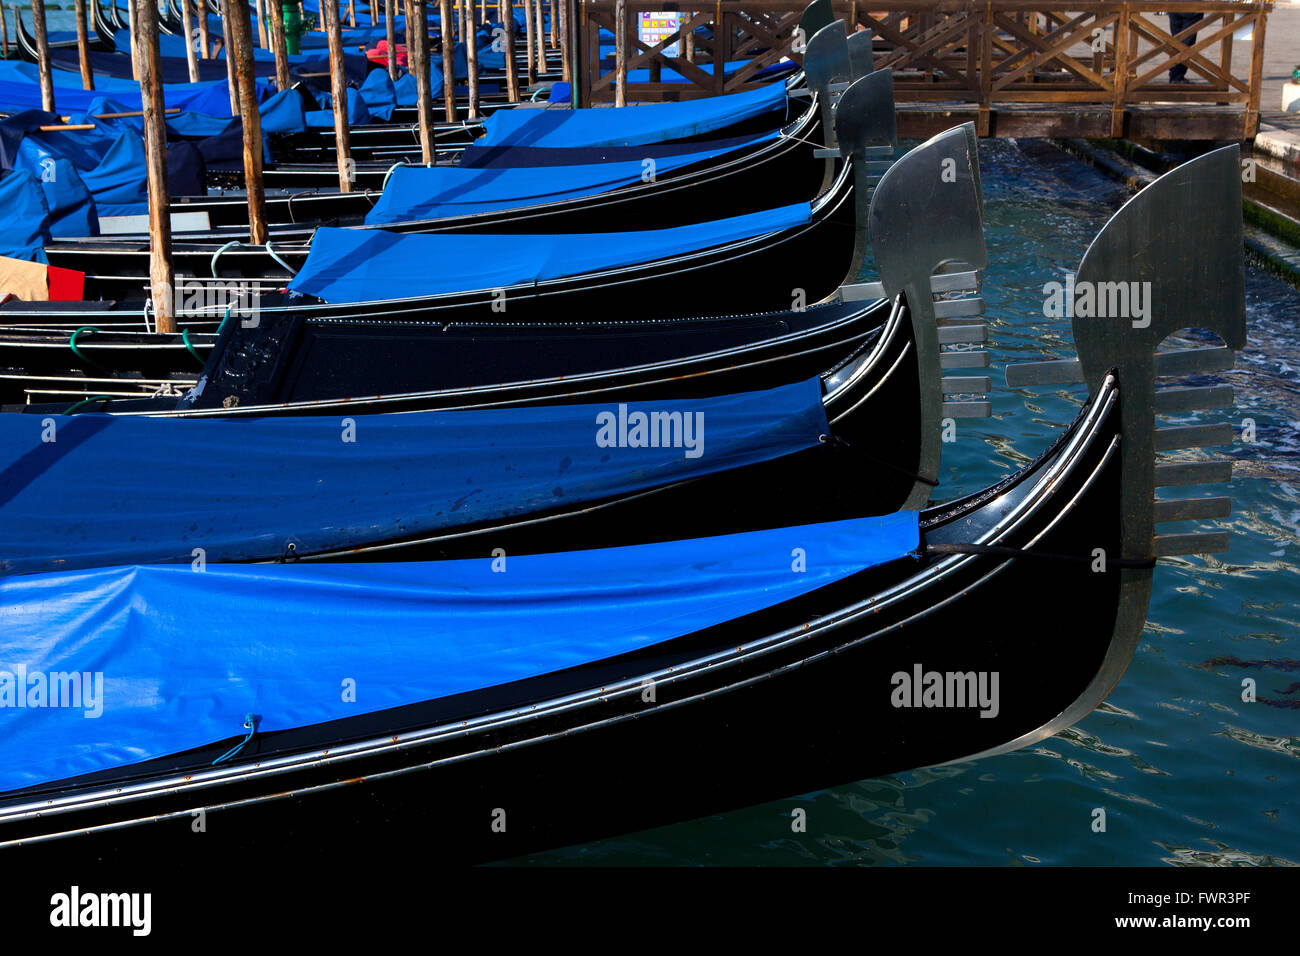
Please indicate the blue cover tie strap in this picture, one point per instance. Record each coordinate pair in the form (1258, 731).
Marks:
(250, 721)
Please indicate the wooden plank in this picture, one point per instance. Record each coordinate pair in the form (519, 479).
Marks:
(145, 21)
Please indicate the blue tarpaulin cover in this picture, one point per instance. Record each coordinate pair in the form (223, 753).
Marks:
(434, 192)
(364, 265)
(182, 656)
(91, 497)
(24, 217)
(630, 126)
(20, 90)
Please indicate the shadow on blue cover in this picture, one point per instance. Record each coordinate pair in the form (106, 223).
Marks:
(366, 265)
(419, 192)
(168, 658)
(84, 500)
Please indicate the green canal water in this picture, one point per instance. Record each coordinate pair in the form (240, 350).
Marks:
(1186, 771)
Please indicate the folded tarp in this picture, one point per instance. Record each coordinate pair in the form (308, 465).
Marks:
(90, 497)
(167, 659)
(435, 192)
(366, 265)
(629, 126)
(357, 113)
(90, 173)
(20, 90)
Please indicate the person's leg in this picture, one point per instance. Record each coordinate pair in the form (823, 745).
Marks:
(1178, 22)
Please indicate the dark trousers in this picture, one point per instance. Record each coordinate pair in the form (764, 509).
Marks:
(1178, 22)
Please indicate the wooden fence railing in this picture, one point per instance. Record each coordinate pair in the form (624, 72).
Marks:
(1020, 67)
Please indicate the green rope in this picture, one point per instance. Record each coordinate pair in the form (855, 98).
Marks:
(224, 321)
(250, 721)
(86, 401)
(72, 344)
(185, 337)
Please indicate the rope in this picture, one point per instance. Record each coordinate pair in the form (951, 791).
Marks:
(86, 401)
(1005, 552)
(72, 344)
(274, 255)
(217, 255)
(391, 170)
(250, 721)
(185, 337)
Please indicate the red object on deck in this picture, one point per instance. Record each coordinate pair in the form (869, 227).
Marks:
(380, 53)
(66, 285)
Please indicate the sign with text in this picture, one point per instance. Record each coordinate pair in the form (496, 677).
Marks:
(653, 27)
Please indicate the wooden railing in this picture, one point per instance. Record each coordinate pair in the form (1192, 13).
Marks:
(1021, 67)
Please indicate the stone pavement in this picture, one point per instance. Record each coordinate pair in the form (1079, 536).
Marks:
(1279, 133)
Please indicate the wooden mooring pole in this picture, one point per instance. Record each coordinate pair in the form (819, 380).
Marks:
(391, 36)
(339, 93)
(471, 56)
(512, 69)
(228, 48)
(187, 21)
(205, 48)
(83, 47)
(262, 41)
(280, 46)
(145, 22)
(135, 53)
(424, 93)
(561, 9)
(42, 54)
(447, 30)
(620, 53)
(239, 52)
(541, 40)
(528, 31)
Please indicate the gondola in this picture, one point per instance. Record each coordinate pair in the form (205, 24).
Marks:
(874, 664)
(726, 178)
(103, 346)
(865, 386)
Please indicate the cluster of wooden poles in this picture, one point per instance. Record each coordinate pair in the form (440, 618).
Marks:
(236, 18)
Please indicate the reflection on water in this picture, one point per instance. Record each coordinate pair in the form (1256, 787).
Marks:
(1187, 772)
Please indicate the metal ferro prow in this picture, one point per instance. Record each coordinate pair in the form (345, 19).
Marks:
(927, 234)
(1177, 246)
